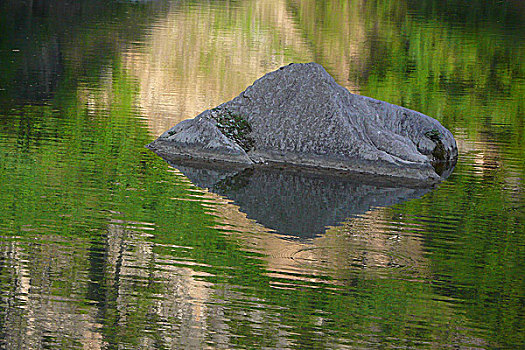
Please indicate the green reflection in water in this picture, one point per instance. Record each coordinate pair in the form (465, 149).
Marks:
(476, 249)
(99, 234)
(78, 190)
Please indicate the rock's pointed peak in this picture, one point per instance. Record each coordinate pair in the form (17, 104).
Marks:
(312, 69)
(306, 74)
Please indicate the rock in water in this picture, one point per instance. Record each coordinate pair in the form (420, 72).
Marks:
(299, 115)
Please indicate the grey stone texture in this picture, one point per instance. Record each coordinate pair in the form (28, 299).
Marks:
(299, 115)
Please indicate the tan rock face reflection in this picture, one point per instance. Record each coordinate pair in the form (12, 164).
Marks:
(378, 243)
(43, 306)
(200, 56)
(338, 33)
(174, 292)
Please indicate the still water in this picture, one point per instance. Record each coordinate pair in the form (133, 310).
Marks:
(103, 245)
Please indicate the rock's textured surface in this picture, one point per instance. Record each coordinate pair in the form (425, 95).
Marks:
(299, 115)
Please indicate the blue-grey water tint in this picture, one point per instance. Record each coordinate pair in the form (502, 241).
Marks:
(103, 245)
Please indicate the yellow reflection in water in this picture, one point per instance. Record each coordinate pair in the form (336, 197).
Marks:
(199, 56)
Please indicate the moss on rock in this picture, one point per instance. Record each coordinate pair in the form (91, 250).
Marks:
(233, 126)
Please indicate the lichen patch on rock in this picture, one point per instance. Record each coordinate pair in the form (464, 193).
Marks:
(234, 126)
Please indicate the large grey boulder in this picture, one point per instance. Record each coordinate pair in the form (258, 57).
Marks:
(299, 115)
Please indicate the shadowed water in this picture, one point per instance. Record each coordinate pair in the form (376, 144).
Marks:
(296, 201)
(104, 245)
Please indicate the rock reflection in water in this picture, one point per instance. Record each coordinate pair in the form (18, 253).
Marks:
(297, 202)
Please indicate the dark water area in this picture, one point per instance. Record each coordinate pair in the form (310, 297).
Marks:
(297, 202)
(104, 245)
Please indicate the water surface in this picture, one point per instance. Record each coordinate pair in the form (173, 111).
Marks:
(103, 245)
